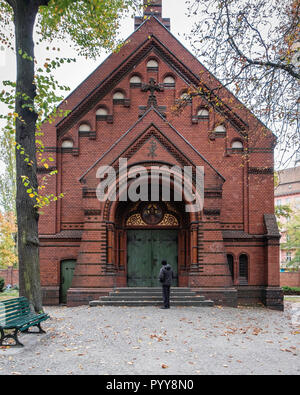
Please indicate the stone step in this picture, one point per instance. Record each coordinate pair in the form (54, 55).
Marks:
(151, 298)
(151, 293)
(154, 289)
(205, 303)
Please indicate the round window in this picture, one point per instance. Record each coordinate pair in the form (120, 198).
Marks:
(152, 214)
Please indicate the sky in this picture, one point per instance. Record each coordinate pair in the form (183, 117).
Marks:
(73, 74)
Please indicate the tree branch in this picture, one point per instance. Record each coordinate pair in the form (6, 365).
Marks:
(281, 66)
(43, 2)
(12, 3)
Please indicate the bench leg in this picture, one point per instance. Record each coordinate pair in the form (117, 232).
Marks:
(10, 336)
(40, 329)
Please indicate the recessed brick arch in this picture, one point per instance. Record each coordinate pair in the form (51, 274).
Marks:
(110, 206)
(115, 213)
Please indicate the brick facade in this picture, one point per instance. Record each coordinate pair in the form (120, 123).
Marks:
(10, 276)
(238, 213)
(290, 279)
(287, 193)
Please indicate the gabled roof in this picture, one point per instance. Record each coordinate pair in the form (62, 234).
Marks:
(138, 46)
(174, 142)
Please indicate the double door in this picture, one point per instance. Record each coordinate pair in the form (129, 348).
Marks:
(146, 249)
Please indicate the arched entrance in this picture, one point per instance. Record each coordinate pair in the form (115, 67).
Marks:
(150, 233)
(171, 231)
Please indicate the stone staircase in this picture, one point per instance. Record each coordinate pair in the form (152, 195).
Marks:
(144, 296)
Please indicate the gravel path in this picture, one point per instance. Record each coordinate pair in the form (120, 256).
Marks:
(148, 340)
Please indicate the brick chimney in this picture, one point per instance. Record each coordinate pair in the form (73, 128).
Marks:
(152, 8)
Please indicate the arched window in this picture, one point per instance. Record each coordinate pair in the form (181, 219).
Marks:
(101, 114)
(169, 82)
(67, 144)
(184, 96)
(102, 111)
(84, 127)
(243, 269)
(135, 81)
(152, 65)
(118, 97)
(203, 113)
(220, 129)
(237, 145)
(230, 261)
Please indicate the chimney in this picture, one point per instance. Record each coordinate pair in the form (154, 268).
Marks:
(152, 8)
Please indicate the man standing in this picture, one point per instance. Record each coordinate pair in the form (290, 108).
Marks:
(166, 276)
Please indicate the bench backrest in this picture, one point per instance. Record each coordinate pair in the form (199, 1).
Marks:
(11, 309)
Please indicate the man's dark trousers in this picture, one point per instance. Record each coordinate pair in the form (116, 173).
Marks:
(166, 295)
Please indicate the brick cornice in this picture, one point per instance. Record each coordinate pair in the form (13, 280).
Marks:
(261, 170)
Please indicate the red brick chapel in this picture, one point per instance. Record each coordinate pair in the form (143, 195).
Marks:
(228, 251)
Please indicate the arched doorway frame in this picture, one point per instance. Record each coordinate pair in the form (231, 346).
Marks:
(117, 241)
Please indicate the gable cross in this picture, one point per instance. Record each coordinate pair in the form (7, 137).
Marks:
(152, 149)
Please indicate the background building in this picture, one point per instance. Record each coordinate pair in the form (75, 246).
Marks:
(287, 193)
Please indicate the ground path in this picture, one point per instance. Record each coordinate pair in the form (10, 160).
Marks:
(148, 340)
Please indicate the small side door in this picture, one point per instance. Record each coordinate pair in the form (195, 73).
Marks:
(67, 268)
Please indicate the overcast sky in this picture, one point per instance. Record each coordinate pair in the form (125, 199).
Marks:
(73, 74)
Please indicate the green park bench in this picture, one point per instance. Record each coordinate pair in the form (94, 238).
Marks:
(15, 314)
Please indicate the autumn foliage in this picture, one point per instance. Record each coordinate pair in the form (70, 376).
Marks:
(8, 230)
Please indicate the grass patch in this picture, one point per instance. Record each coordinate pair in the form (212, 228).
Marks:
(9, 294)
(291, 290)
(291, 298)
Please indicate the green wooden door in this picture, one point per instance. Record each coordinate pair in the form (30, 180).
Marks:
(146, 249)
(66, 275)
(164, 248)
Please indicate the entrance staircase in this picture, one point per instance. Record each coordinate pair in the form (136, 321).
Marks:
(151, 297)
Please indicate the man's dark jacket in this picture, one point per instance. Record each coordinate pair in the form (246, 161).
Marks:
(166, 275)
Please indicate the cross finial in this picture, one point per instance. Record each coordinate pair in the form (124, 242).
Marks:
(152, 87)
(152, 8)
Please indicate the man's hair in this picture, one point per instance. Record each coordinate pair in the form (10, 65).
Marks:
(164, 262)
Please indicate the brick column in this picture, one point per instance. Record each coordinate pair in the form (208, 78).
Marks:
(91, 280)
(273, 294)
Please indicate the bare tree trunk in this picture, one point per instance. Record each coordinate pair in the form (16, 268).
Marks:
(25, 12)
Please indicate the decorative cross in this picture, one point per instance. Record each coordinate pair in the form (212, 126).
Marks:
(152, 149)
(152, 87)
